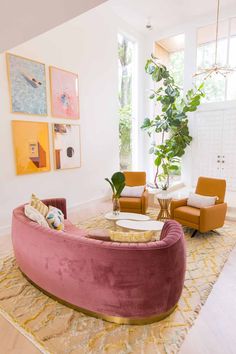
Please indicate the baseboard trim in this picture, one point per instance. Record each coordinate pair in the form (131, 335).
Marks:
(6, 229)
(231, 213)
(88, 203)
(230, 217)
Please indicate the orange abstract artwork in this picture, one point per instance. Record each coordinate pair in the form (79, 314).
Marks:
(31, 144)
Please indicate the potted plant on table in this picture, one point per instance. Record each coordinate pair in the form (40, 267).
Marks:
(117, 183)
(169, 126)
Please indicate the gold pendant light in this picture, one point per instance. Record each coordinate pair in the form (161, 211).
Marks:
(215, 68)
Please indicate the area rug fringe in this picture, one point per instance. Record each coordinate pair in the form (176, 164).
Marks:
(24, 332)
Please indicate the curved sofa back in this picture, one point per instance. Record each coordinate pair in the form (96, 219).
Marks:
(119, 279)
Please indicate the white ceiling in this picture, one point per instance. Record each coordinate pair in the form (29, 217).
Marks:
(166, 14)
(21, 20)
(24, 19)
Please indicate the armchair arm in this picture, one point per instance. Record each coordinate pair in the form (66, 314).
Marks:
(212, 217)
(176, 203)
(144, 201)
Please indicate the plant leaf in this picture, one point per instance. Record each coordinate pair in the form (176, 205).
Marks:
(112, 187)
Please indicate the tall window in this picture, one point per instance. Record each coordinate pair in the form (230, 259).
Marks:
(217, 87)
(171, 53)
(126, 60)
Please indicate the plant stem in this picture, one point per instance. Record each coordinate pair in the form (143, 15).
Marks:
(156, 178)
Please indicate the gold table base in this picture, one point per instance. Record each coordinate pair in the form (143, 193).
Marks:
(164, 213)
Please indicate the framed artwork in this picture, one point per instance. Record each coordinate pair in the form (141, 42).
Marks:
(64, 93)
(31, 145)
(27, 85)
(66, 141)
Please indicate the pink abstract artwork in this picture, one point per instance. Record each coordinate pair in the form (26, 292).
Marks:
(64, 94)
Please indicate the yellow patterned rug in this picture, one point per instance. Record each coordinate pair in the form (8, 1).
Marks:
(56, 329)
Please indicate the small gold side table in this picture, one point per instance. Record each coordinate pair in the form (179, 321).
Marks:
(164, 203)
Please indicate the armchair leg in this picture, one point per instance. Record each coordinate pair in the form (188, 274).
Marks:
(215, 232)
(194, 233)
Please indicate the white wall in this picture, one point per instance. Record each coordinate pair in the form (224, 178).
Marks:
(87, 45)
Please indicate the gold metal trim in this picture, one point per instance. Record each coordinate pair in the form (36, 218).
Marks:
(108, 318)
(164, 213)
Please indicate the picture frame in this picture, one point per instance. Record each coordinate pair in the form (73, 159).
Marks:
(66, 146)
(64, 89)
(27, 85)
(31, 146)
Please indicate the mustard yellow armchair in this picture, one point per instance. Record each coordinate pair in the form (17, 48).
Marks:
(130, 204)
(203, 219)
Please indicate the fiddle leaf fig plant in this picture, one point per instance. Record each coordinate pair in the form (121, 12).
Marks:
(170, 123)
(117, 183)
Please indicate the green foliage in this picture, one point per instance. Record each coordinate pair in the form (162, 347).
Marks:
(172, 120)
(124, 52)
(176, 66)
(117, 183)
(125, 128)
(125, 98)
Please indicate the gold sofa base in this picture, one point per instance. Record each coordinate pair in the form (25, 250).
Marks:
(108, 318)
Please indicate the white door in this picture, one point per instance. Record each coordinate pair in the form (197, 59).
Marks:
(228, 156)
(207, 144)
(214, 146)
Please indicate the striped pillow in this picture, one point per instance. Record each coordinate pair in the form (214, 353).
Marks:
(131, 236)
(38, 205)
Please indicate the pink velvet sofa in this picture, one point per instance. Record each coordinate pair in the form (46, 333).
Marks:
(119, 282)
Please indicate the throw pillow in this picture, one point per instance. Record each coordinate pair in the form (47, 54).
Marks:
(135, 192)
(200, 201)
(34, 215)
(55, 218)
(131, 236)
(37, 204)
(99, 234)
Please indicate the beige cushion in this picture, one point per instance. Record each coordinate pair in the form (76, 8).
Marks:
(131, 236)
(136, 191)
(34, 215)
(38, 205)
(200, 201)
(99, 234)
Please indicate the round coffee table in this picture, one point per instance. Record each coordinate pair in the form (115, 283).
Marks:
(150, 225)
(125, 216)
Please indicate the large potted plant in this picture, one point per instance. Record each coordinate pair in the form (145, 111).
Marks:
(117, 183)
(170, 123)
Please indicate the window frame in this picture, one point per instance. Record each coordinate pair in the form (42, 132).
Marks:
(228, 38)
(134, 98)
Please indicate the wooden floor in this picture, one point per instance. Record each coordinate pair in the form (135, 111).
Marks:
(11, 340)
(214, 330)
(212, 333)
